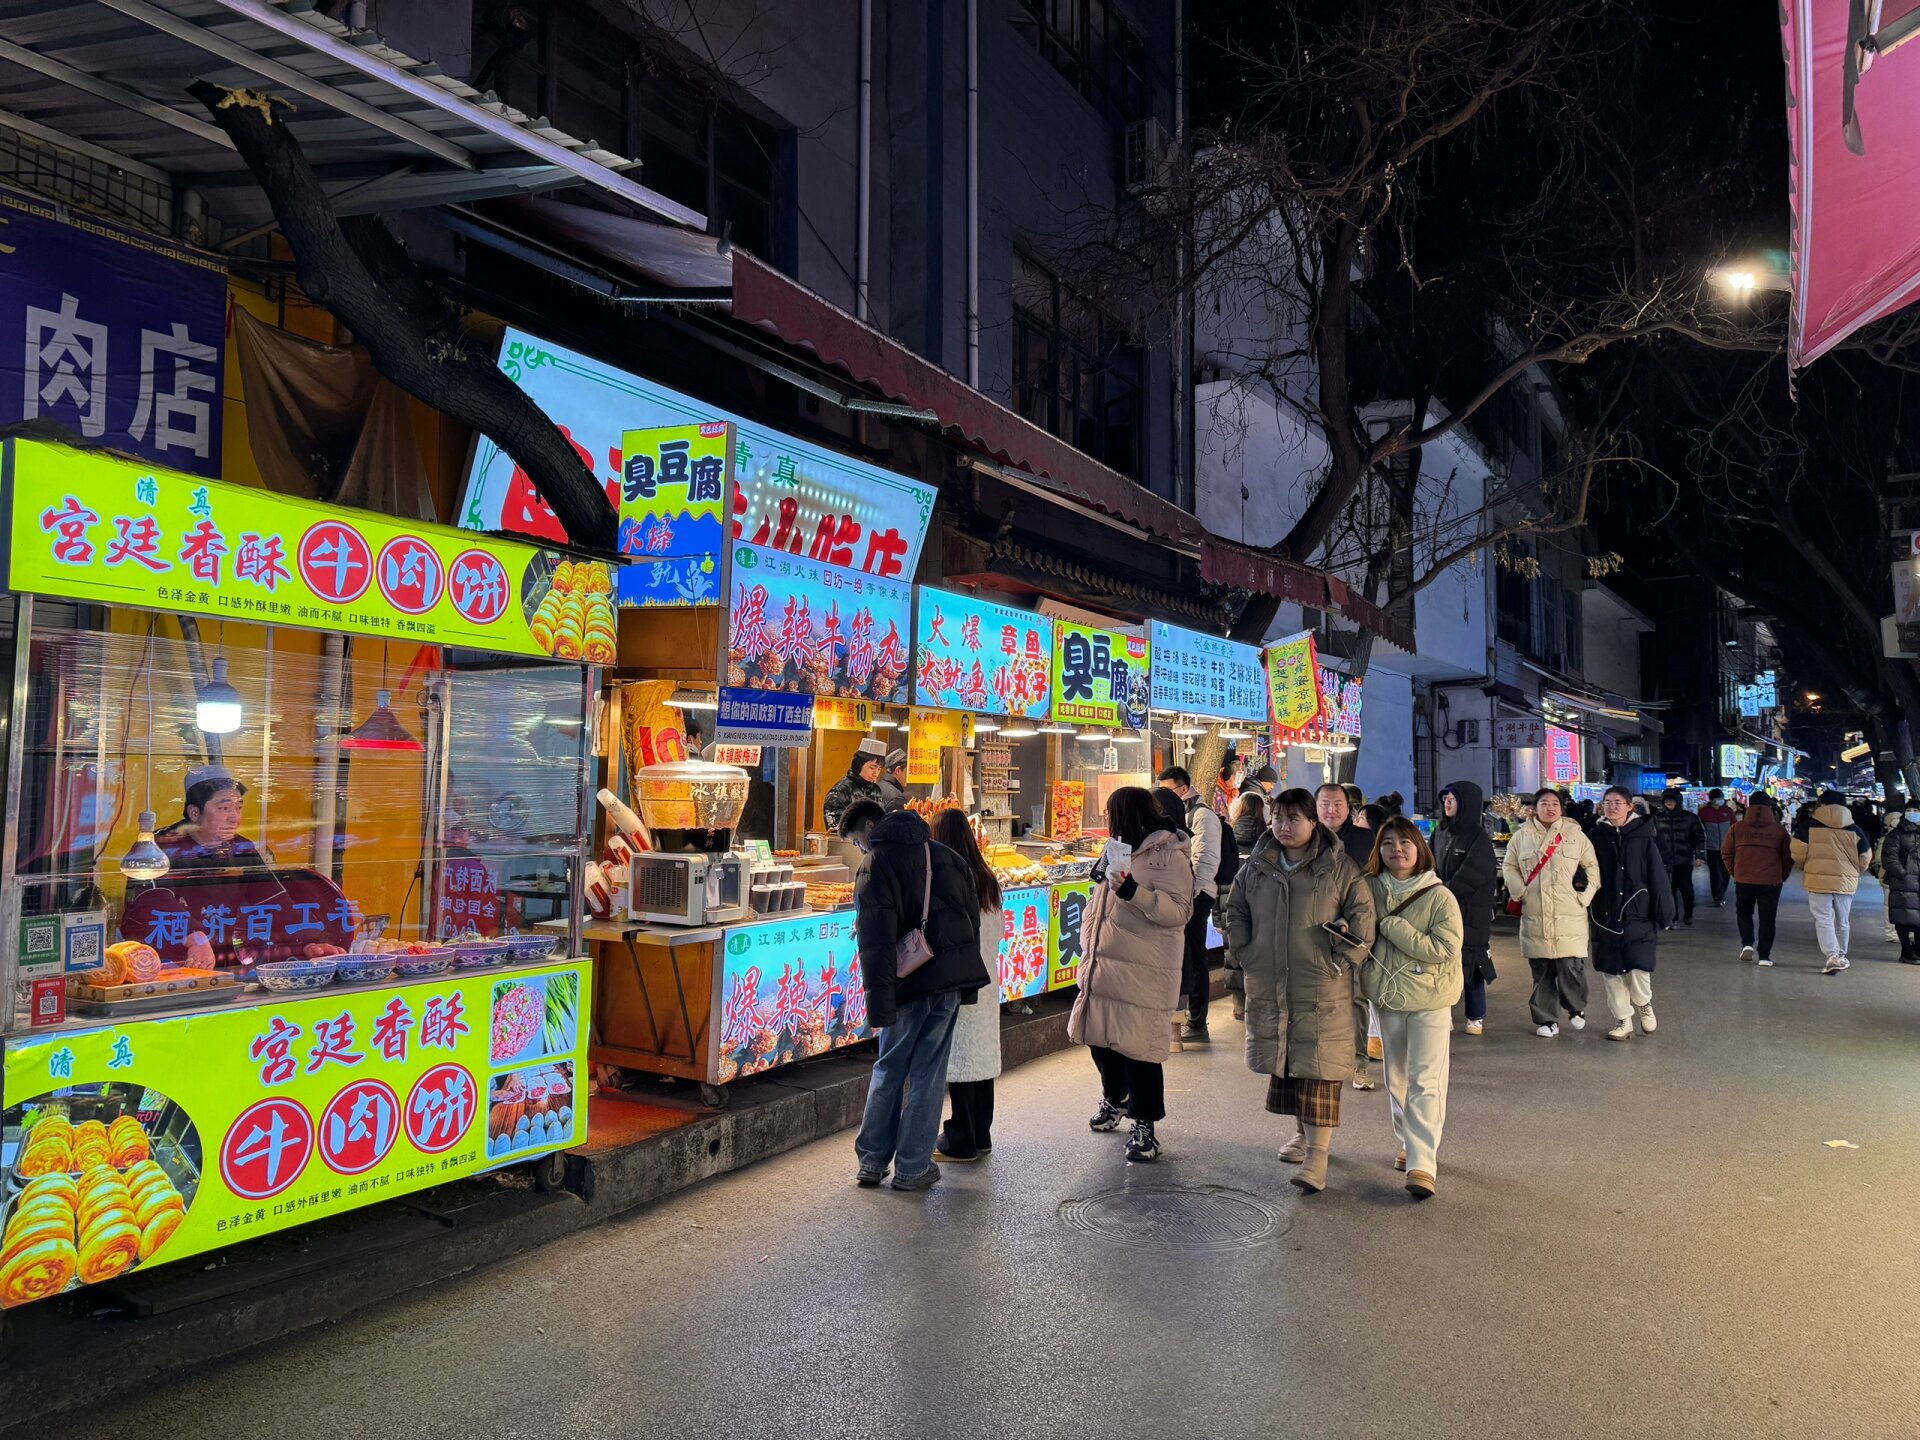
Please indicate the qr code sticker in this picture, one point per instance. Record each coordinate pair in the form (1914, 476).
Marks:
(83, 948)
(42, 937)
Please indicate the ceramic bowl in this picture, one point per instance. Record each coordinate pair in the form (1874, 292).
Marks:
(359, 969)
(526, 949)
(433, 962)
(285, 976)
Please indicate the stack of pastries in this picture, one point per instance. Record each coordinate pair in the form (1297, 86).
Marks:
(574, 620)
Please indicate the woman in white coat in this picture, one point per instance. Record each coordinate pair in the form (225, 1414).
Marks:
(1543, 857)
(974, 1061)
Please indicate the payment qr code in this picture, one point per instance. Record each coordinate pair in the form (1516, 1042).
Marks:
(42, 937)
(83, 947)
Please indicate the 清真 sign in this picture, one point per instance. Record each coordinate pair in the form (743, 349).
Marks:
(85, 526)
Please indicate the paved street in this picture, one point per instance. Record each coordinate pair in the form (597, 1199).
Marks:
(1631, 1239)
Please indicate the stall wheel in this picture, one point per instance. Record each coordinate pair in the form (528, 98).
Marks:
(550, 1172)
(714, 1097)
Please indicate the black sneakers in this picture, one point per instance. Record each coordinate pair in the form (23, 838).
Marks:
(1107, 1117)
(1141, 1145)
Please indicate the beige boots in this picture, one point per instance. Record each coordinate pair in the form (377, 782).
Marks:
(1312, 1174)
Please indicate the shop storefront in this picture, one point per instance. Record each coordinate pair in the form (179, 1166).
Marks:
(286, 786)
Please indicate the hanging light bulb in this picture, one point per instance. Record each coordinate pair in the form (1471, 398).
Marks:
(145, 860)
(1018, 731)
(217, 710)
(381, 730)
(986, 725)
(1056, 729)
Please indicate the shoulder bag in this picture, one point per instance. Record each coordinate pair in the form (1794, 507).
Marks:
(913, 949)
(1514, 905)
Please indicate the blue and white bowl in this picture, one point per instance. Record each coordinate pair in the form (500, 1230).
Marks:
(526, 949)
(286, 976)
(477, 954)
(361, 969)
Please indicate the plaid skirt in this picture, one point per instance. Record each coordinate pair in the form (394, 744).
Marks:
(1311, 1102)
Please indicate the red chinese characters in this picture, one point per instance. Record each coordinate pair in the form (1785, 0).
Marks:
(441, 1107)
(70, 524)
(201, 552)
(359, 1127)
(138, 541)
(411, 575)
(444, 1022)
(335, 561)
(333, 1043)
(478, 585)
(276, 1049)
(261, 560)
(267, 1148)
(390, 1030)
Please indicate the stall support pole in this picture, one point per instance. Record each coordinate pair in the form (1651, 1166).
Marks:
(10, 842)
(583, 812)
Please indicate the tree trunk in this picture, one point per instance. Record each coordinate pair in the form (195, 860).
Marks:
(364, 278)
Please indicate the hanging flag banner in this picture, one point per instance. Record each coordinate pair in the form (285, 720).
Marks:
(673, 485)
(976, 655)
(1100, 677)
(1293, 684)
(85, 526)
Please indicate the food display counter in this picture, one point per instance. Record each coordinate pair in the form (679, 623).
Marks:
(303, 990)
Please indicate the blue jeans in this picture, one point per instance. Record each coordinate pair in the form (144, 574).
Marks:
(913, 1060)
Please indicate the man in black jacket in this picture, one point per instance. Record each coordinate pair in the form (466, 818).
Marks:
(1681, 835)
(895, 896)
(1463, 857)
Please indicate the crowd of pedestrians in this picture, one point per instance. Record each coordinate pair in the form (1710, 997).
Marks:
(1349, 938)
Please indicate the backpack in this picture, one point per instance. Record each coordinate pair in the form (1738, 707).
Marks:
(1229, 847)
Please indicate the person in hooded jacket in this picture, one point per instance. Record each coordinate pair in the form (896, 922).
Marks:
(1299, 921)
(1717, 818)
(861, 782)
(1900, 863)
(1543, 857)
(1681, 835)
(1463, 859)
(1634, 902)
(1413, 979)
(895, 893)
(1832, 858)
(1131, 947)
(1759, 855)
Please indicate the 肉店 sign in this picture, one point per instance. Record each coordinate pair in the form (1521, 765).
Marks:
(84, 526)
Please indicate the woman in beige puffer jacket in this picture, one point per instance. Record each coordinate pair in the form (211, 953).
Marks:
(1132, 943)
(1553, 915)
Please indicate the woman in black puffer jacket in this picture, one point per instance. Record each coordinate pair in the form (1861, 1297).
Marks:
(1634, 903)
(1900, 865)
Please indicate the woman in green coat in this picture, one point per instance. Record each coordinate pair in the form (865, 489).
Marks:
(1413, 977)
(1299, 919)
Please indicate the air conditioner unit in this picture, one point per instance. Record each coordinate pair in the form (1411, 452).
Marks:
(1146, 157)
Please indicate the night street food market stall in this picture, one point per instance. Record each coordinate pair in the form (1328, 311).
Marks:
(275, 772)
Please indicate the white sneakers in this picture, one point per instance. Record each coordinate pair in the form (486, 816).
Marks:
(1748, 954)
(1474, 1027)
(1622, 1031)
(1547, 1031)
(1647, 1022)
(1835, 964)
(1579, 1022)
(1766, 963)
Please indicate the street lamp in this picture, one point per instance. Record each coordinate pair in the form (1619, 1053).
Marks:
(1746, 277)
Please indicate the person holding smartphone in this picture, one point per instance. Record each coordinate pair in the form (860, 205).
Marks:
(1543, 858)
(1131, 946)
(1299, 921)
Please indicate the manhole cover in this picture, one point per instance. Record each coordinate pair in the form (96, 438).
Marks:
(1177, 1217)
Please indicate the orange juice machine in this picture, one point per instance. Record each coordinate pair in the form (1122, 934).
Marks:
(691, 876)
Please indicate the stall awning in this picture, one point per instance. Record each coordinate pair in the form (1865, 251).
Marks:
(1853, 119)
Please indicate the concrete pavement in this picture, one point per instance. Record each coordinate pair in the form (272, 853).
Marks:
(1648, 1238)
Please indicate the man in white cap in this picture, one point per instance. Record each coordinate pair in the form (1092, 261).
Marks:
(207, 834)
(861, 782)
